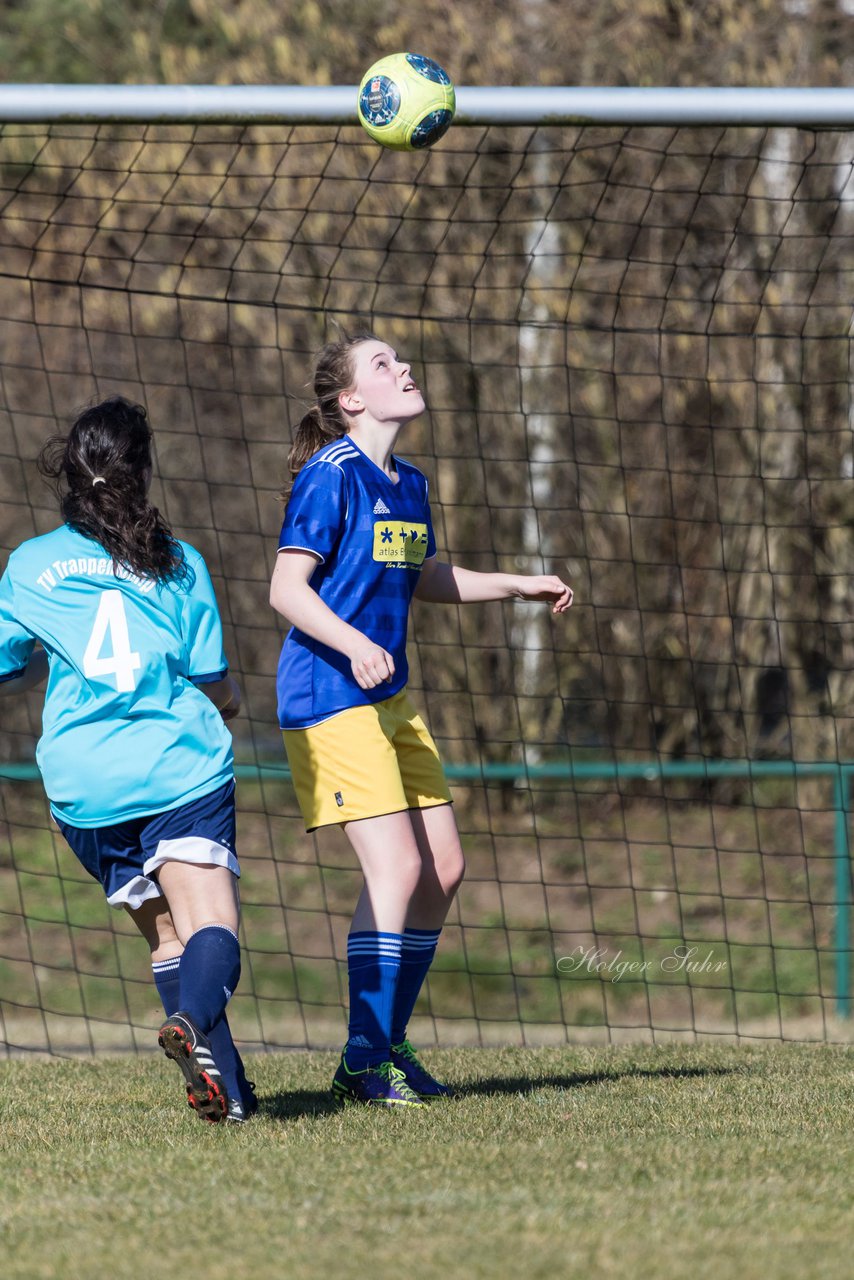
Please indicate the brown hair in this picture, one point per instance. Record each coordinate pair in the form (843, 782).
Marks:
(100, 473)
(325, 421)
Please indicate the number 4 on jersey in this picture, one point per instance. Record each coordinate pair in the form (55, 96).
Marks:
(111, 617)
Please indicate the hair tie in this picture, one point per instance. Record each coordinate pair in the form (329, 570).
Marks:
(98, 480)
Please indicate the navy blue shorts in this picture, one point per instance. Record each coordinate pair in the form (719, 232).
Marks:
(124, 856)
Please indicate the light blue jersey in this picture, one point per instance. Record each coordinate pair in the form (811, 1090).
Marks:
(126, 732)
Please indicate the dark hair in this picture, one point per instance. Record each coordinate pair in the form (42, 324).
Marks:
(333, 373)
(100, 472)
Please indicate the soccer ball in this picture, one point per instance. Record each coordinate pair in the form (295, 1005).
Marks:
(406, 101)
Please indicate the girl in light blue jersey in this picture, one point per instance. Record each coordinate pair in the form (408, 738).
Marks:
(356, 545)
(135, 757)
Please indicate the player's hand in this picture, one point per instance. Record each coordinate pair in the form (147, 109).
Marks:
(545, 587)
(371, 665)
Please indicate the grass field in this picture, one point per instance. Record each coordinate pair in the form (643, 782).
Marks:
(679, 1161)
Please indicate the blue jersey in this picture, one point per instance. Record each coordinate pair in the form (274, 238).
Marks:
(372, 536)
(126, 732)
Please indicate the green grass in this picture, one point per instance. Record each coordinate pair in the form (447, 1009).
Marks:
(676, 1161)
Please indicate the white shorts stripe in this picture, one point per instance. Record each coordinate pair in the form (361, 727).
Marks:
(196, 849)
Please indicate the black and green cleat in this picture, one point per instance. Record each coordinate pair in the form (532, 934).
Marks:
(418, 1078)
(383, 1086)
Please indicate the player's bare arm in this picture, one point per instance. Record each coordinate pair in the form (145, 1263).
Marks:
(225, 695)
(443, 583)
(293, 597)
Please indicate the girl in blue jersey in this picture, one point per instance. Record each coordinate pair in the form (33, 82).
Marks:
(356, 545)
(135, 757)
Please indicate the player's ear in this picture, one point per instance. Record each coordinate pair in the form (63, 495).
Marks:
(350, 402)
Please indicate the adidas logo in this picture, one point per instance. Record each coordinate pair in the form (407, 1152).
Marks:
(380, 508)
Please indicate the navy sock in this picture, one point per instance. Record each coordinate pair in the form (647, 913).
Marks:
(168, 983)
(373, 963)
(209, 973)
(226, 1056)
(416, 956)
(229, 1060)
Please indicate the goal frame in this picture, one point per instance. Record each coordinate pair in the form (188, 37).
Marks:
(497, 105)
(809, 108)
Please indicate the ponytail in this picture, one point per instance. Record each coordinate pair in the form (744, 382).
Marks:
(101, 472)
(325, 419)
(313, 431)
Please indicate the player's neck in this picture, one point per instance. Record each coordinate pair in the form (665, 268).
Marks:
(377, 441)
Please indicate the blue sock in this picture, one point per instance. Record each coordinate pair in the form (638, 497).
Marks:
(168, 983)
(229, 1061)
(209, 973)
(416, 956)
(373, 963)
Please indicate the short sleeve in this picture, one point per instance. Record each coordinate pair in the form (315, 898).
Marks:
(431, 537)
(201, 626)
(16, 643)
(316, 510)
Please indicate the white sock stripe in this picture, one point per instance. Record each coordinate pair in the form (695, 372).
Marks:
(393, 953)
(397, 943)
(374, 946)
(165, 966)
(393, 943)
(422, 944)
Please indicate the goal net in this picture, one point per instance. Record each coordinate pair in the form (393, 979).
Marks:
(635, 347)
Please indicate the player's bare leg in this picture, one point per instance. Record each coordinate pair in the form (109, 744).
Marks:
(442, 870)
(442, 866)
(154, 921)
(391, 864)
(199, 896)
(203, 905)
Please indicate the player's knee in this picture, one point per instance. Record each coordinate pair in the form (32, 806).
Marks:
(154, 921)
(214, 922)
(454, 872)
(409, 871)
(167, 934)
(450, 867)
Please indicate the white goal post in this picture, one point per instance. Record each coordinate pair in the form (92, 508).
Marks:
(492, 104)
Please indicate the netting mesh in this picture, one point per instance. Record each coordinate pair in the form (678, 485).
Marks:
(635, 348)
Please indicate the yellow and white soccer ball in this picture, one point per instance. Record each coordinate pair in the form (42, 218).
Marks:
(406, 101)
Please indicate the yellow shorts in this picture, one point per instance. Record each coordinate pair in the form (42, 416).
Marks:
(365, 762)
